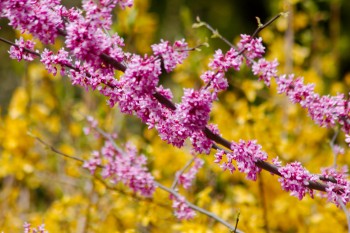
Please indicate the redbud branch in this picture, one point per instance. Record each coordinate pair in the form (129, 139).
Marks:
(262, 26)
(25, 49)
(164, 188)
(169, 104)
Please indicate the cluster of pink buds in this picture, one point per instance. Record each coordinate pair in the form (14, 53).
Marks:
(120, 165)
(29, 229)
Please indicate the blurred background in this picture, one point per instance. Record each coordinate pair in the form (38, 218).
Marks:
(39, 186)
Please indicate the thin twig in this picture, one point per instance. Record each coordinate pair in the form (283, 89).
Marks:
(346, 211)
(197, 208)
(332, 145)
(262, 26)
(53, 149)
(237, 220)
(216, 33)
(177, 176)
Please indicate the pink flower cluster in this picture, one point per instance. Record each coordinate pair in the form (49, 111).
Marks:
(99, 13)
(29, 229)
(36, 17)
(223, 62)
(18, 52)
(124, 166)
(214, 79)
(246, 154)
(171, 55)
(87, 41)
(50, 60)
(338, 187)
(295, 179)
(338, 150)
(265, 70)
(347, 139)
(200, 143)
(252, 47)
(181, 210)
(185, 179)
(87, 76)
(324, 110)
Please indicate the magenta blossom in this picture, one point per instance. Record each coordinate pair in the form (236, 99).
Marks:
(338, 191)
(18, 52)
(181, 209)
(295, 179)
(171, 55)
(186, 179)
(247, 154)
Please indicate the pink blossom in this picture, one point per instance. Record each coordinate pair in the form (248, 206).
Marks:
(265, 70)
(28, 229)
(93, 162)
(295, 88)
(324, 110)
(181, 210)
(277, 162)
(202, 144)
(246, 154)
(338, 190)
(137, 85)
(186, 179)
(222, 62)
(227, 166)
(127, 167)
(99, 14)
(219, 155)
(172, 130)
(252, 47)
(122, 166)
(171, 55)
(36, 17)
(87, 76)
(124, 3)
(190, 116)
(87, 40)
(18, 52)
(193, 111)
(50, 60)
(338, 150)
(295, 179)
(215, 80)
(347, 139)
